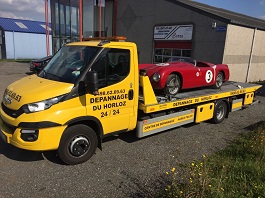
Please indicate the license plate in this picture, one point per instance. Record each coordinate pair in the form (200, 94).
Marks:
(2, 136)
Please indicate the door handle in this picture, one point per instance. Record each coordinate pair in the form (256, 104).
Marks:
(130, 94)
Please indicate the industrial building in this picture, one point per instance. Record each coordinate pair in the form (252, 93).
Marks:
(167, 29)
(23, 39)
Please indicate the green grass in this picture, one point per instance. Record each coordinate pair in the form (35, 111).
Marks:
(237, 171)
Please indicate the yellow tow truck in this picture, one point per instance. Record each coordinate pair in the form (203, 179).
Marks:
(93, 89)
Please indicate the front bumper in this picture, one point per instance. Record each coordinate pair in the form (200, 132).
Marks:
(48, 138)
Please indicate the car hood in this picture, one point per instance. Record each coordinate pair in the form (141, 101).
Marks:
(154, 68)
(33, 89)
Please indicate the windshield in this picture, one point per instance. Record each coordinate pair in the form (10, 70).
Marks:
(68, 63)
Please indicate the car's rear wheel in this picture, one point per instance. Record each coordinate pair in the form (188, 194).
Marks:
(219, 80)
(173, 85)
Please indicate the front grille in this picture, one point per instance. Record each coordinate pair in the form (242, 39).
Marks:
(12, 113)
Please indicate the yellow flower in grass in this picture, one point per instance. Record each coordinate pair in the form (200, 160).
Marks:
(173, 169)
(192, 164)
(167, 173)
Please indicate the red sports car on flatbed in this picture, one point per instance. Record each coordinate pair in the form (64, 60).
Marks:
(175, 76)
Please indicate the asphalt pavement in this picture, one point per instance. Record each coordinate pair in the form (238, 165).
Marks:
(126, 167)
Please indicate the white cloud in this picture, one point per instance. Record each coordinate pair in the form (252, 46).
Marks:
(23, 9)
(11, 15)
(262, 17)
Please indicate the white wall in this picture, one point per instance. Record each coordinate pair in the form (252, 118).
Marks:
(26, 45)
(240, 58)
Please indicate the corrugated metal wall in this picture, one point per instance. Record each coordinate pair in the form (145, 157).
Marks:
(25, 45)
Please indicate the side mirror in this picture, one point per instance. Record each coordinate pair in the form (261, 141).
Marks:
(91, 82)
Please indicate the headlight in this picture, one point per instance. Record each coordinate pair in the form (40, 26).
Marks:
(42, 105)
(156, 77)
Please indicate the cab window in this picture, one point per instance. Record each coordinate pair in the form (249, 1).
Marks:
(112, 66)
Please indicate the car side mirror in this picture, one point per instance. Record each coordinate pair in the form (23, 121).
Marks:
(91, 82)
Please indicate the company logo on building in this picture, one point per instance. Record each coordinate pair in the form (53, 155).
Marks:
(173, 32)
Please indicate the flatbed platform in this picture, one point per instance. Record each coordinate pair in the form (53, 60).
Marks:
(195, 96)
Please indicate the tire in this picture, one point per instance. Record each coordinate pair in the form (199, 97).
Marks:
(173, 85)
(219, 80)
(220, 112)
(77, 145)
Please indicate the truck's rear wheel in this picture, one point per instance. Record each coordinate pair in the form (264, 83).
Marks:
(220, 111)
(78, 144)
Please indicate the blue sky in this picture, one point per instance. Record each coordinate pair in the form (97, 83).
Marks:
(34, 9)
(254, 8)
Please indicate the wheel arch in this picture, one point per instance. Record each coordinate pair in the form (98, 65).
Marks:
(180, 78)
(223, 72)
(92, 122)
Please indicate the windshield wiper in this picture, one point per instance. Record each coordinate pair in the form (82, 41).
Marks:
(47, 73)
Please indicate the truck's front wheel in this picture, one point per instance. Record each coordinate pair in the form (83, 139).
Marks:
(78, 144)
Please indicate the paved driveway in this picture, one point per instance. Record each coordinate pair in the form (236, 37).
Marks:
(127, 166)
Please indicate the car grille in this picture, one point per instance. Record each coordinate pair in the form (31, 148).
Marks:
(12, 113)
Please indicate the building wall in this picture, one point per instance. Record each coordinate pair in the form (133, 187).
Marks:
(25, 45)
(257, 66)
(237, 53)
(136, 20)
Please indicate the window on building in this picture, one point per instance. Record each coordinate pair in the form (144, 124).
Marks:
(21, 25)
(44, 26)
(162, 55)
(65, 20)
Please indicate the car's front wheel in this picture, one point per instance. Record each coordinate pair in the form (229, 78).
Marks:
(173, 85)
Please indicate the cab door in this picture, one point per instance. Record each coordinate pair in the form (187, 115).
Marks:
(115, 103)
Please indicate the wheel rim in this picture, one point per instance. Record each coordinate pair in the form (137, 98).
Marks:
(173, 86)
(219, 80)
(79, 146)
(220, 112)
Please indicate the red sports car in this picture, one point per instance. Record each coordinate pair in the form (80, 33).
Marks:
(174, 76)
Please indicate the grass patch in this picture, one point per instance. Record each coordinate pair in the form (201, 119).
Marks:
(237, 171)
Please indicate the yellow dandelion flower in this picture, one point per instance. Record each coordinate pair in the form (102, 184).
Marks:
(192, 164)
(200, 174)
(167, 173)
(210, 185)
(173, 169)
(181, 192)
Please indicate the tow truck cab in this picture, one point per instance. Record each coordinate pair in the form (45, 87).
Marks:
(88, 90)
